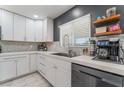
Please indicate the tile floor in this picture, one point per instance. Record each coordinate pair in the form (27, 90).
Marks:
(32, 80)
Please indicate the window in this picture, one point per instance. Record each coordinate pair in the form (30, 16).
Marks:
(78, 31)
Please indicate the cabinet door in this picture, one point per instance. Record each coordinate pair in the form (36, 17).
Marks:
(45, 30)
(19, 28)
(39, 30)
(63, 73)
(22, 66)
(33, 63)
(63, 77)
(51, 75)
(30, 33)
(7, 70)
(51, 71)
(42, 66)
(7, 25)
(48, 29)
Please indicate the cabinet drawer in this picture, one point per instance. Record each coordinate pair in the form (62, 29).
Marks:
(4, 58)
(41, 59)
(63, 64)
(42, 71)
(41, 66)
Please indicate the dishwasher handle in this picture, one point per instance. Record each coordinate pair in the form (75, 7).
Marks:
(89, 74)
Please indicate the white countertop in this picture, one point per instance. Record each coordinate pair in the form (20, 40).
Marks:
(17, 53)
(109, 67)
(87, 61)
(82, 60)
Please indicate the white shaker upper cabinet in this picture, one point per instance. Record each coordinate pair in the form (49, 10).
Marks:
(30, 33)
(6, 25)
(39, 30)
(19, 28)
(48, 30)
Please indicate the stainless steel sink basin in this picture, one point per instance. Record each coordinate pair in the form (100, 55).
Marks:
(62, 54)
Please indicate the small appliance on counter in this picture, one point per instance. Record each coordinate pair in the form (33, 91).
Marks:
(42, 47)
(92, 47)
(108, 50)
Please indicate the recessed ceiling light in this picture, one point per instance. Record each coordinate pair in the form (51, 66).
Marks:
(77, 13)
(35, 16)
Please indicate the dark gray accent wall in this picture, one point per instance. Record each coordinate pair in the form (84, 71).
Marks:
(94, 10)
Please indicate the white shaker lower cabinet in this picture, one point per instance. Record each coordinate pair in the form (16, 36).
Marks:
(22, 66)
(7, 70)
(63, 73)
(33, 62)
(46, 68)
(42, 66)
(63, 77)
(13, 66)
(51, 71)
(58, 72)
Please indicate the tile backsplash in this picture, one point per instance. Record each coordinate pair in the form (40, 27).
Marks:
(13, 46)
(8, 46)
(55, 46)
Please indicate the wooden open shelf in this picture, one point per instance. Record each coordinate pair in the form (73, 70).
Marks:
(108, 33)
(108, 19)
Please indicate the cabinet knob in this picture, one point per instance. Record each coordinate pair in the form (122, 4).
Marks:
(42, 64)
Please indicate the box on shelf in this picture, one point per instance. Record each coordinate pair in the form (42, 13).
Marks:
(101, 29)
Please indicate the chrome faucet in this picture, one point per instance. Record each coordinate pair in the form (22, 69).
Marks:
(66, 37)
(66, 44)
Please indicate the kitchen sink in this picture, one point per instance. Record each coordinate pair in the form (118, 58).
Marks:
(62, 54)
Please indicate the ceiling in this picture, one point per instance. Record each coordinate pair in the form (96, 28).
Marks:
(42, 11)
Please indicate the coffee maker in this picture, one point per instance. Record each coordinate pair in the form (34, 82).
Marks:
(108, 49)
(42, 47)
(102, 49)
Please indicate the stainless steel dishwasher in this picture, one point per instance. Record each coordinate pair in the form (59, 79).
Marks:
(83, 76)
